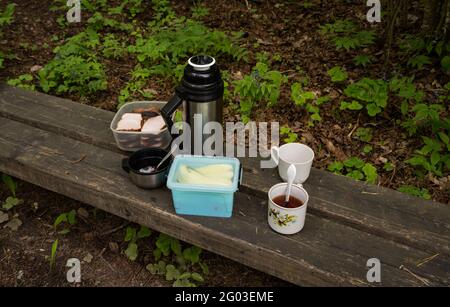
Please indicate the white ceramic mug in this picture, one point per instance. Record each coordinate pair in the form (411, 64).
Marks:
(287, 220)
(297, 154)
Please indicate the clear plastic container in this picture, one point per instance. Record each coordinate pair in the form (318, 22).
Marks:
(202, 199)
(132, 140)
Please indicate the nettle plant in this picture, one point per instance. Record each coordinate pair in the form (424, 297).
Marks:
(168, 47)
(262, 85)
(74, 69)
(307, 99)
(356, 169)
(185, 268)
(346, 35)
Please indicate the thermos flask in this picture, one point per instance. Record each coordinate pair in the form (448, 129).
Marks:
(201, 94)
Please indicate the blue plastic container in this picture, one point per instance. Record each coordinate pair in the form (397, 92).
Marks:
(202, 199)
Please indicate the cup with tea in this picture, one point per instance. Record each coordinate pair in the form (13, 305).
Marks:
(300, 155)
(287, 217)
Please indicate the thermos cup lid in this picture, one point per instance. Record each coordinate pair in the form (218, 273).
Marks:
(201, 62)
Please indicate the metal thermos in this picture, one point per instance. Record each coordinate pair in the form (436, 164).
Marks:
(201, 93)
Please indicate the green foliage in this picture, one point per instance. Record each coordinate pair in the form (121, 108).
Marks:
(307, 100)
(10, 183)
(168, 47)
(262, 85)
(11, 201)
(6, 17)
(373, 93)
(290, 136)
(98, 22)
(132, 235)
(367, 149)
(112, 48)
(52, 258)
(362, 60)
(414, 191)
(72, 74)
(182, 271)
(199, 11)
(364, 134)
(356, 169)
(419, 61)
(69, 218)
(74, 69)
(445, 63)
(354, 105)
(337, 74)
(345, 35)
(134, 88)
(24, 81)
(133, 7)
(434, 155)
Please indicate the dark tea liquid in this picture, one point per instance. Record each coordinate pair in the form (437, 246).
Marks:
(292, 203)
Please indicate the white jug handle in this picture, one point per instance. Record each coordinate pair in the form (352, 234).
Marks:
(275, 153)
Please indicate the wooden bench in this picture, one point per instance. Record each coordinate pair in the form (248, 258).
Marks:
(67, 147)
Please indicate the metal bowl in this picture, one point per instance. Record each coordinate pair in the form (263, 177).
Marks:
(143, 158)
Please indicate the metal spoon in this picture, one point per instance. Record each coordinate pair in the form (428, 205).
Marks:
(172, 150)
(291, 173)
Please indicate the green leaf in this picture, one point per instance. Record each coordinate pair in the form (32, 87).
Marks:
(144, 232)
(445, 63)
(197, 277)
(362, 60)
(130, 234)
(354, 105)
(414, 191)
(71, 217)
(364, 134)
(132, 251)
(172, 273)
(157, 268)
(337, 74)
(192, 254)
(373, 109)
(12, 186)
(367, 149)
(11, 202)
(336, 167)
(164, 243)
(355, 174)
(419, 61)
(61, 218)
(388, 166)
(53, 254)
(176, 247)
(370, 172)
(354, 162)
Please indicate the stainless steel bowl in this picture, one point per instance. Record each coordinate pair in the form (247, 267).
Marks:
(144, 158)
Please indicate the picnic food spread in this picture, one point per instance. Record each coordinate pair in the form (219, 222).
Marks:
(203, 185)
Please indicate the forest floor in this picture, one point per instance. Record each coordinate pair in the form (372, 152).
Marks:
(286, 31)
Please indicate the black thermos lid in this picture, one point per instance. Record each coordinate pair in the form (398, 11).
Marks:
(201, 81)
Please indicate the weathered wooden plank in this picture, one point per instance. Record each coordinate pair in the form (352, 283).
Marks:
(405, 219)
(384, 212)
(324, 253)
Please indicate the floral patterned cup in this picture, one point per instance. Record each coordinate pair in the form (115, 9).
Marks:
(287, 220)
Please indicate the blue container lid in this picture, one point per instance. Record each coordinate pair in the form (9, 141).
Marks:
(195, 161)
